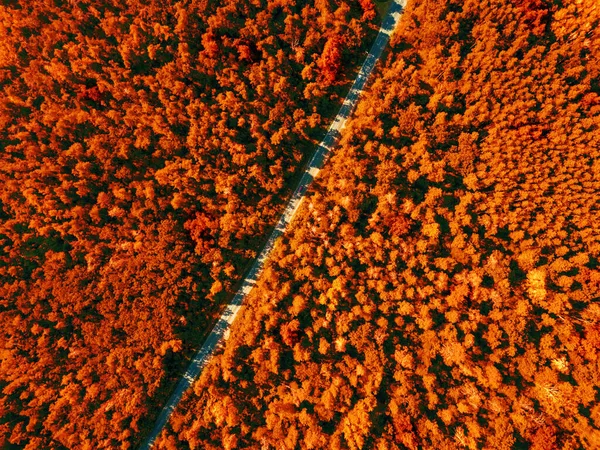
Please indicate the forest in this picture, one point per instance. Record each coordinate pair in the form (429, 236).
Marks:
(440, 286)
(146, 148)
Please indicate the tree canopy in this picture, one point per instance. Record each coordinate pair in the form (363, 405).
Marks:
(440, 286)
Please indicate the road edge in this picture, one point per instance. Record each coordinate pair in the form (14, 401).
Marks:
(317, 161)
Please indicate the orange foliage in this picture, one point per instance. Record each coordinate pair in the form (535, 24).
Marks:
(368, 8)
(442, 275)
(330, 60)
(145, 150)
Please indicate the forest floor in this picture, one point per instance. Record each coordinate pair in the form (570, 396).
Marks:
(382, 7)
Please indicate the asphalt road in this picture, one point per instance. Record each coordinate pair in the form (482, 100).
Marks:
(313, 168)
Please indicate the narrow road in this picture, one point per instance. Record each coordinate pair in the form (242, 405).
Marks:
(314, 166)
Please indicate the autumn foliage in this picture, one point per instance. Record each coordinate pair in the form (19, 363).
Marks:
(368, 8)
(440, 287)
(330, 60)
(145, 150)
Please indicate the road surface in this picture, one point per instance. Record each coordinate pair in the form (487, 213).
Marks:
(314, 166)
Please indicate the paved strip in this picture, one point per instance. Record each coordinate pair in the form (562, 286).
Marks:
(220, 331)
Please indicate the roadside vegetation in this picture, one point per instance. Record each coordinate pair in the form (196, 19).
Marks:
(145, 150)
(440, 286)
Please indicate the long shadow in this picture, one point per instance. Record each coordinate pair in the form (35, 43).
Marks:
(314, 166)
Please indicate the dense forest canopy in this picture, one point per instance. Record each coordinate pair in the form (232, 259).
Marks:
(441, 285)
(145, 150)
